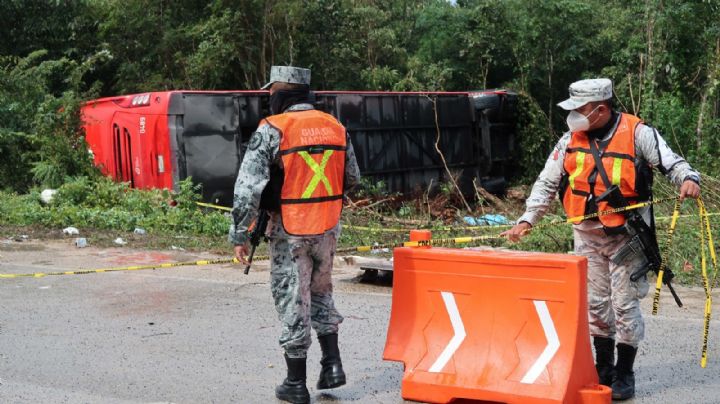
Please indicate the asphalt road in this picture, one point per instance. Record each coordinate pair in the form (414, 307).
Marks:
(208, 335)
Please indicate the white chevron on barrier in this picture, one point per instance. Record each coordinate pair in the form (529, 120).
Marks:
(552, 347)
(459, 335)
(457, 339)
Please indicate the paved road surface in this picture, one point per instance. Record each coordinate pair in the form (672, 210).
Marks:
(208, 335)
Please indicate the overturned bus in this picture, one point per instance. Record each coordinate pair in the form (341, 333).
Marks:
(154, 140)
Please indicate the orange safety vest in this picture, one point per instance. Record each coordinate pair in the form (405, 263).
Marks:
(312, 149)
(583, 180)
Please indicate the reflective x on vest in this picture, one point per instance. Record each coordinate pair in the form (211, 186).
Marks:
(319, 171)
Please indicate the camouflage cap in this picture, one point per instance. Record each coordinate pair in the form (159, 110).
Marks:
(584, 91)
(288, 74)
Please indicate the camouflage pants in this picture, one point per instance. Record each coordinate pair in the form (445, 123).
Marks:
(301, 285)
(613, 299)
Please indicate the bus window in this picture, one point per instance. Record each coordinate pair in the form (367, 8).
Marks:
(128, 174)
(117, 154)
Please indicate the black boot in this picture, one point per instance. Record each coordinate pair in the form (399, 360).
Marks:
(605, 359)
(623, 386)
(293, 388)
(332, 374)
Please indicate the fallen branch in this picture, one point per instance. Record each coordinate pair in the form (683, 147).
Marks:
(480, 199)
(361, 202)
(376, 203)
(437, 148)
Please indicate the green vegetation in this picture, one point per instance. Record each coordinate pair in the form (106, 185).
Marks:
(99, 204)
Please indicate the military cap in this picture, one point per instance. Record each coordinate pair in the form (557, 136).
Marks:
(288, 74)
(584, 91)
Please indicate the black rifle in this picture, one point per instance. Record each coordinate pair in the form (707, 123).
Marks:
(258, 232)
(643, 242)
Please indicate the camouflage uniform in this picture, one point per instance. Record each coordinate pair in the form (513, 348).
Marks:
(301, 266)
(613, 300)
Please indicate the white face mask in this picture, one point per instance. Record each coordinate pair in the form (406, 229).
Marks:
(578, 122)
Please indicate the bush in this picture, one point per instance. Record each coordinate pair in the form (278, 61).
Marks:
(535, 138)
(100, 203)
(41, 138)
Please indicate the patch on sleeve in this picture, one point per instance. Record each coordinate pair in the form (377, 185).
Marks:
(255, 141)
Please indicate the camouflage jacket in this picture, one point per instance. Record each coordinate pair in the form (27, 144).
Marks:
(254, 174)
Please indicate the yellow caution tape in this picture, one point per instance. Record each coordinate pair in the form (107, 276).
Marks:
(666, 256)
(705, 235)
(407, 229)
(382, 229)
(706, 332)
(130, 268)
(705, 230)
(437, 242)
(210, 205)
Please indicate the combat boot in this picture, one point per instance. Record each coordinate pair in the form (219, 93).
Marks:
(605, 359)
(623, 386)
(293, 388)
(332, 374)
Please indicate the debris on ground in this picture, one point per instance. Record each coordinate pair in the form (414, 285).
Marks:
(139, 230)
(486, 220)
(71, 231)
(120, 241)
(81, 242)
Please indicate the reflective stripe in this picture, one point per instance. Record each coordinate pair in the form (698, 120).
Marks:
(314, 149)
(312, 200)
(319, 171)
(580, 164)
(616, 171)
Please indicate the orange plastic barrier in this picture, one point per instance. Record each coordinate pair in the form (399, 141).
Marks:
(507, 327)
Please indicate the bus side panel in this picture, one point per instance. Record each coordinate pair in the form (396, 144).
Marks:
(394, 136)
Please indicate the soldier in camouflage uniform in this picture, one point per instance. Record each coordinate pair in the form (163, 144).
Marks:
(301, 265)
(613, 299)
